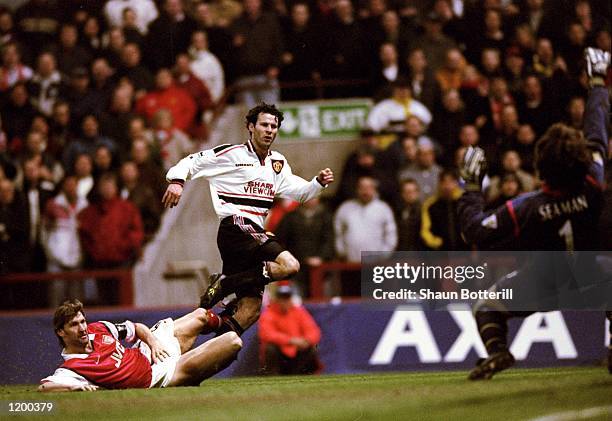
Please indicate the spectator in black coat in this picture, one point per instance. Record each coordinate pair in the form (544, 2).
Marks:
(308, 233)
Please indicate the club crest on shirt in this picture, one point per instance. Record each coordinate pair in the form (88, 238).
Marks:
(277, 165)
(107, 339)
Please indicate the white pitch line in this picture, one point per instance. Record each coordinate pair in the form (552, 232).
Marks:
(580, 414)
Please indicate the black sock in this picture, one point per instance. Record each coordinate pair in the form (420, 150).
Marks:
(229, 324)
(251, 277)
(493, 329)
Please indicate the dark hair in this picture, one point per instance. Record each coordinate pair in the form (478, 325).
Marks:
(562, 157)
(263, 108)
(449, 172)
(64, 313)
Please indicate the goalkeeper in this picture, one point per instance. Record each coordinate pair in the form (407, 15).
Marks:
(561, 216)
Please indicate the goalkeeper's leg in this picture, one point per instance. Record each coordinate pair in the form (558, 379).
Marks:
(609, 317)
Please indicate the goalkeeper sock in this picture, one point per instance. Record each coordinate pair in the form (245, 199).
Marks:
(493, 329)
(228, 324)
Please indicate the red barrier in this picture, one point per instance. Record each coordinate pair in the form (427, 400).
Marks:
(126, 286)
(317, 273)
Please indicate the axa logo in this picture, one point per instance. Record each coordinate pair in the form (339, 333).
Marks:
(410, 328)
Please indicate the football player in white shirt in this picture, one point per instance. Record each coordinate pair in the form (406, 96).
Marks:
(244, 180)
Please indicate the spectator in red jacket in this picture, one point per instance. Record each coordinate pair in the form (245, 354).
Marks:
(289, 336)
(171, 97)
(111, 233)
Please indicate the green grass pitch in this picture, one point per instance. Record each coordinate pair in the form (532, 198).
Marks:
(517, 394)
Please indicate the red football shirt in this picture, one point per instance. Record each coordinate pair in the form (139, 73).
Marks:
(111, 365)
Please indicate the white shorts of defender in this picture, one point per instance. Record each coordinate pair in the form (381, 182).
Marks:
(162, 372)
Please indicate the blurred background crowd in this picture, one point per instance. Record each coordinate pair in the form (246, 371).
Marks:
(98, 98)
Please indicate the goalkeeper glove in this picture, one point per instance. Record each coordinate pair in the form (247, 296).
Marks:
(474, 168)
(597, 62)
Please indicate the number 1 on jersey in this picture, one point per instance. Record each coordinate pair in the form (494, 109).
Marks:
(567, 233)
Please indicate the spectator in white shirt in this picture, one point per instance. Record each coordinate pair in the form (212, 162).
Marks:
(364, 223)
(206, 66)
(145, 10)
(390, 114)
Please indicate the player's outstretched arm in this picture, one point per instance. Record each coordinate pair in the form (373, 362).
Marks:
(597, 108)
(57, 387)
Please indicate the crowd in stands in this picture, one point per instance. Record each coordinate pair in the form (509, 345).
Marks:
(99, 97)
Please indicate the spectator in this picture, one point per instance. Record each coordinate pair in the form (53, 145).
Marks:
(145, 11)
(511, 164)
(433, 42)
(91, 38)
(300, 56)
(514, 71)
(344, 50)
(509, 188)
(448, 121)
(490, 63)
(115, 122)
(111, 233)
(15, 253)
(69, 53)
(17, 116)
(35, 148)
(426, 172)
(289, 336)
(172, 28)
(7, 28)
(387, 72)
(198, 91)
(258, 46)
(102, 82)
(142, 196)
(80, 97)
(575, 112)
(360, 163)
(60, 132)
(573, 49)
(364, 223)
(173, 143)
(61, 238)
(103, 161)
(114, 41)
(525, 146)
(397, 31)
(206, 66)
(170, 97)
(83, 171)
(389, 113)
(440, 228)
(131, 68)
(308, 233)
(151, 172)
(214, 19)
(129, 24)
(12, 70)
(534, 107)
(450, 75)
(422, 81)
(36, 193)
(408, 217)
(88, 142)
(46, 84)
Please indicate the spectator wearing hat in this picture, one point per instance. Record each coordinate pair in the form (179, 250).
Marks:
(289, 336)
(392, 112)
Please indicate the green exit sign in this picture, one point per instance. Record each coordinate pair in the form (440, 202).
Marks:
(335, 119)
